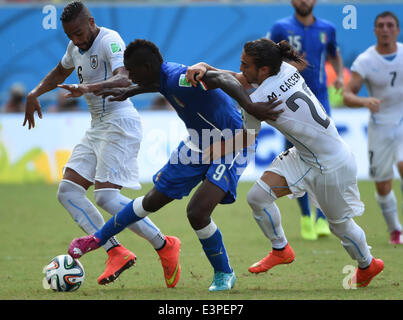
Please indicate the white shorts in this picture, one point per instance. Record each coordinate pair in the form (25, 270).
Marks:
(335, 193)
(108, 151)
(385, 150)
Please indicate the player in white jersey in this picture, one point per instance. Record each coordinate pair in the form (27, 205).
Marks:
(320, 163)
(380, 67)
(106, 157)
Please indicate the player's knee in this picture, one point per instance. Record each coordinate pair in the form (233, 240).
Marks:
(104, 196)
(384, 188)
(198, 216)
(258, 197)
(66, 189)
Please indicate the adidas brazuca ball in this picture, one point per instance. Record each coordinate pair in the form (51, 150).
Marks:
(64, 273)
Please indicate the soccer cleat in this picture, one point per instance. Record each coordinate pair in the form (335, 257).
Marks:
(80, 246)
(322, 227)
(274, 258)
(222, 281)
(396, 237)
(363, 277)
(308, 228)
(169, 256)
(119, 260)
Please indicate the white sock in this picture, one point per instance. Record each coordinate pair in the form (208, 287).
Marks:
(73, 198)
(353, 240)
(388, 206)
(266, 213)
(112, 201)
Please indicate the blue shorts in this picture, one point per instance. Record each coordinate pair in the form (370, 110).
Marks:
(178, 177)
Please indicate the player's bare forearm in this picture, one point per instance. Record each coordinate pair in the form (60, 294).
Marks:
(56, 76)
(231, 86)
(120, 79)
(136, 90)
(338, 66)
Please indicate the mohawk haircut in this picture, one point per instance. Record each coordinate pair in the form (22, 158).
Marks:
(73, 10)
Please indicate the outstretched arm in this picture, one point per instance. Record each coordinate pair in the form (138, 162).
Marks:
(231, 86)
(352, 100)
(121, 94)
(197, 71)
(50, 82)
(120, 79)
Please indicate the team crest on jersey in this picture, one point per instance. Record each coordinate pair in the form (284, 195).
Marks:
(94, 61)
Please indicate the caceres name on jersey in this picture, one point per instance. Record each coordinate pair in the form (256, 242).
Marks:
(97, 64)
(384, 80)
(304, 121)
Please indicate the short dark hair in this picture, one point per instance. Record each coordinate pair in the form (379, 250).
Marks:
(141, 51)
(387, 14)
(266, 52)
(72, 11)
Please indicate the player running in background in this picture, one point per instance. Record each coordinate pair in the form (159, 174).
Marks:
(320, 163)
(315, 40)
(203, 112)
(380, 67)
(107, 154)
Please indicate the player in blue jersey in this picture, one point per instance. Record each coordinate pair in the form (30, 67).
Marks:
(315, 40)
(207, 114)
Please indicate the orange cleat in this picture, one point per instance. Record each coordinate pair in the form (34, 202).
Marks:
(119, 260)
(274, 258)
(169, 256)
(363, 277)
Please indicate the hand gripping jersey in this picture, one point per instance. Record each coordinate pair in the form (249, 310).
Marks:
(303, 122)
(384, 81)
(95, 65)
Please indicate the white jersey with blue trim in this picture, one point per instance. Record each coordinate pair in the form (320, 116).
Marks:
(383, 77)
(304, 122)
(95, 65)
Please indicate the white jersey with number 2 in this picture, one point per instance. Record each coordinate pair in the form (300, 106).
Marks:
(303, 122)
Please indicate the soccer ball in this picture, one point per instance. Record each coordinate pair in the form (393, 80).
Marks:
(63, 273)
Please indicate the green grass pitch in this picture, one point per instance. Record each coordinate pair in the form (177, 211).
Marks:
(35, 227)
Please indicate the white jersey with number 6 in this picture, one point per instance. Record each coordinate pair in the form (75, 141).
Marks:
(384, 80)
(304, 122)
(96, 65)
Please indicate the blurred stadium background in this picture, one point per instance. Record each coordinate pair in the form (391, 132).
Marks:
(186, 32)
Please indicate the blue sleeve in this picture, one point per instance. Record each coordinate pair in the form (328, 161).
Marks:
(276, 33)
(332, 45)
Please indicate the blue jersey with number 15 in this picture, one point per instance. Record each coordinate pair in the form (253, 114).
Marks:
(315, 42)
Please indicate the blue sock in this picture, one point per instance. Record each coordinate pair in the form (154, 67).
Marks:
(216, 253)
(117, 223)
(304, 205)
(319, 214)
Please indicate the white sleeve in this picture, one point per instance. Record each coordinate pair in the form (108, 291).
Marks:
(359, 66)
(67, 60)
(113, 48)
